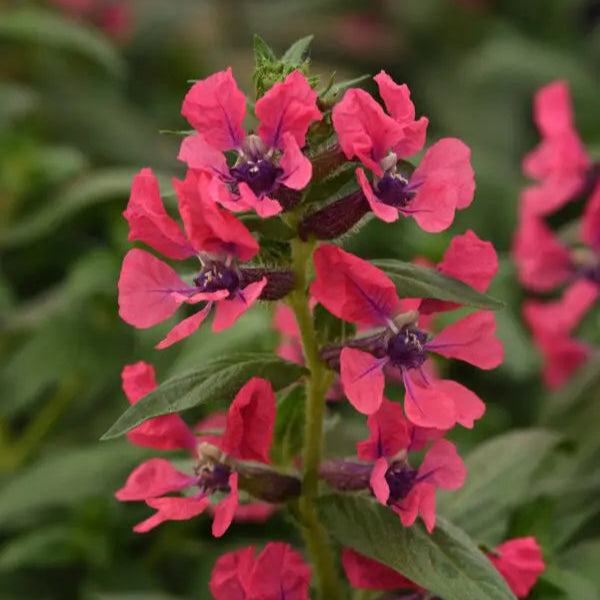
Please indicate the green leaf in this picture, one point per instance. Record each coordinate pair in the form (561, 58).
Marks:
(583, 558)
(499, 476)
(329, 328)
(573, 585)
(297, 53)
(413, 281)
(218, 380)
(263, 53)
(446, 563)
(65, 478)
(94, 189)
(51, 30)
(46, 547)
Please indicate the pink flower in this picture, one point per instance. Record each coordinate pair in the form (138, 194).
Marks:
(520, 562)
(356, 291)
(560, 160)
(267, 160)
(278, 572)
(367, 574)
(468, 259)
(442, 183)
(150, 291)
(394, 483)
(248, 435)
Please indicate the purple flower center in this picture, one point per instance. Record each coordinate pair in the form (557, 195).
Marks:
(217, 276)
(400, 478)
(406, 349)
(216, 478)
(261, 175)
(591, 272)
(394, 190)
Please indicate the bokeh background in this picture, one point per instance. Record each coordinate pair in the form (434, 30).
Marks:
(85, 88)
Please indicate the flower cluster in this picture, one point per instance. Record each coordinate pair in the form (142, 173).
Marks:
(306, 140)
(569, 259)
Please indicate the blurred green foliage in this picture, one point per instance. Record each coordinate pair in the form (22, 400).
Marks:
(80, 113)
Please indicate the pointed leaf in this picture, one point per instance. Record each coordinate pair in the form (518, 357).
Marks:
(413, 281)
(262, 52)
(297, 53)
(499, 476)
(218, 380)
(446, 563)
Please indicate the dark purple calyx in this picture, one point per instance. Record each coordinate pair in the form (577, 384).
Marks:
(256, 168)
(394, 190)
(217, 276)
(400, 479)
(406, 348)
(260, 175)
(214, 477)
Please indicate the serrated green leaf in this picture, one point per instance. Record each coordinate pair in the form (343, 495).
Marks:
(218, 380)
(297, 53)
(414, 281)
(263, 53)
(446, 563)
(499, 476)
(51, 30)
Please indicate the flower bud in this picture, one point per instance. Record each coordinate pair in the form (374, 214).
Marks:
(280, 282)
(336, 218)
(268, 485)
(346, 475)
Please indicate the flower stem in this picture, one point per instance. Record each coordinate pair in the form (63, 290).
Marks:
(317, 542)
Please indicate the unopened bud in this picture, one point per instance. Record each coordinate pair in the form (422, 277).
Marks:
(336, 218)
(346, 475)
(268, 485)
(280, 282)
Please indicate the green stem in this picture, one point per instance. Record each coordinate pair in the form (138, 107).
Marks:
(317, 542)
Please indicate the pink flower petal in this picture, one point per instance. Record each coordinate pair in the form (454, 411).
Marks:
(366, 574)
(290, 106)
(172, 508)
(386, 213)
(198, 154)
(364, 130)
(563, 357)
(352, 289)
(471, 339)
(420, 499)
(443, 467)
(211, 228)
(378, 483)
(149, 222)
(251, 422)
(590, 223)
(543, 262)
(264, 207)
(426, 405)
(520, 562)
(563, 315)
(229, 311)
(153, 478)
(389, 432)
(468, 407)
(551, 194)
(215, 108)
(168, 432)
(280, 572)
(225, 510)
(297, 169)
(468, 259)
(446, 183)
(398, 103)
(147, 288)
(363, 379)
(230, 576)
(185, 328)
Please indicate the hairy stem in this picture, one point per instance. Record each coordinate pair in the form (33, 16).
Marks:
(317, 542)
